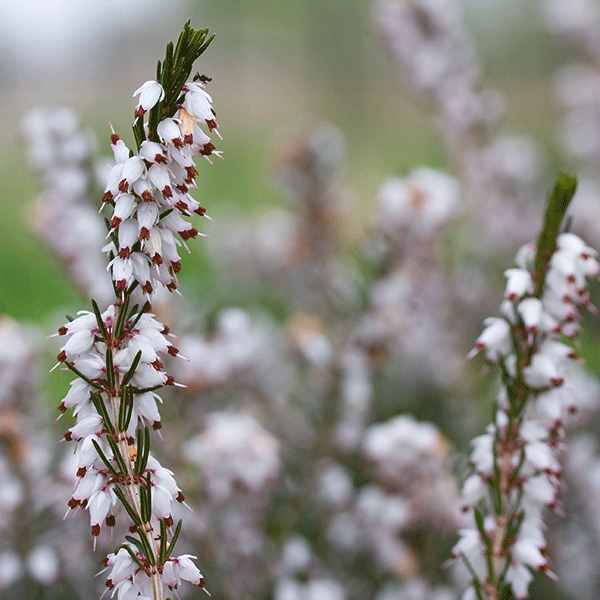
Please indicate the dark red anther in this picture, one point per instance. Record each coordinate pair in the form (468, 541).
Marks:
(180, 497)
(81, 471)
(96, 530)
(62, 408)
(167, 192)
(184, 189)
(157, 364)
(124, 252)
(108, 583)
(72, 503)
(107, 197)
(121, 285)
(156, 425)
(62, 330)
(177, 142)
(62, 356)
(114, 138)
(182, 206)
(176, 266)
(212, 124)
(68, 437)
(200, 211)
(188, 138)
(157, 259)
(207, 149)
(160, 158)
(147, 287)
(144, 233)
(115, 222)
(110, 521)
(168, 521)
(147, 196)
(170, 380)
(123, 185)
(139, 112)
(172, 350)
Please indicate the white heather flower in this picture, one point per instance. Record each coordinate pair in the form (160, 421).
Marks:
(494, 340)
(519, 577)
(473, 491)
(482, 455)
(152, 152)
(169, 132)
(531, 310)
(235, 454)
(125, 205)
(542, 372)
(84, 427)
(150, 94)
(518, 284)
(133, 169)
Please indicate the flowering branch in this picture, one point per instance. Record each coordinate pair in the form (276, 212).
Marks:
(118, 354)
(516, 463)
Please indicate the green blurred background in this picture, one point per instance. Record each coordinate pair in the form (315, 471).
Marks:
(279, 69)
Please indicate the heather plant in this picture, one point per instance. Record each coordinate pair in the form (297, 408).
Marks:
(324, 375)
(516, 462)
(117, 352)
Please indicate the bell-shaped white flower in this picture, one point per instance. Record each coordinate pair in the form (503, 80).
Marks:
(150, 94)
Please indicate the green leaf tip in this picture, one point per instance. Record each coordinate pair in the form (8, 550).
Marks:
(559, 201)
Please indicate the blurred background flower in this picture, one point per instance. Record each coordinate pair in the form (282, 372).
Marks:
(383, 158)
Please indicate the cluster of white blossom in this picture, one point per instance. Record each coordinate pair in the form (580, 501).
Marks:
(234, 454)
(63, 155)
(150, 191)
(414, 486)
(517, 462)
(409, 489)
(119, 354)
(140, 344)
(238, 462)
